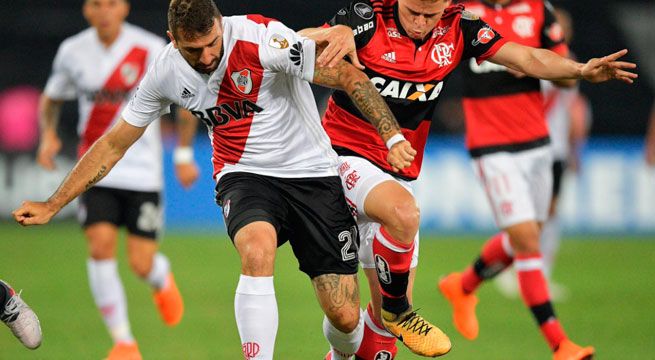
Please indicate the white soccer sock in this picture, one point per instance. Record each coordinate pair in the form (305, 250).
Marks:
(161, 267)
(109, 297)
(549, 243)
(344, 345)
(255, 309)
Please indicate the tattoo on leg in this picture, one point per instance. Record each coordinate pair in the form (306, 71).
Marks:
(342, 290)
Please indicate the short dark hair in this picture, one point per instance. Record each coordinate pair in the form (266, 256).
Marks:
(192, 18)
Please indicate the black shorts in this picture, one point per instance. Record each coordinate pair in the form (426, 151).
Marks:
(559, 166)
(310, 213)
(138, 211)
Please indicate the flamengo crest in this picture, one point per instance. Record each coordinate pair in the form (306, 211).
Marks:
(442, 54)
(242, 80)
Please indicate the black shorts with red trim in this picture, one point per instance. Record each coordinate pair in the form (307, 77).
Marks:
(310, 213)
(139, 211)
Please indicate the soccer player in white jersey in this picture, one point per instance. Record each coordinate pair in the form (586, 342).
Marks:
(246, 78)
(101, 67)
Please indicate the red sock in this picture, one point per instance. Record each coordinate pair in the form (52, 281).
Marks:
(496, 256)
(377, 342)
(392, 262)
(534, 290)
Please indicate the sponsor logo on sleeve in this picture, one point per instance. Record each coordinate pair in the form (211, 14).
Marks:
(484, 36)
(364, 11)
(242, 80)
(342, 12)
(295, 54)
(278, 41)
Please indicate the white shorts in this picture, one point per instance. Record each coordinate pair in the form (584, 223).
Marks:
(358, 177)
(518, 185)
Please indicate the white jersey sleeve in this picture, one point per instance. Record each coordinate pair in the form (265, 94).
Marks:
(149, 101)
(60, 84)
(288, 52)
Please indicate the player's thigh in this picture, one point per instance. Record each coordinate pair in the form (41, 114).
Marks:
(254, 211)
(524, 237)
(338, 295)
(323, 233)
(537, 167)
(359, 177)
(99, 215)
(506, 187)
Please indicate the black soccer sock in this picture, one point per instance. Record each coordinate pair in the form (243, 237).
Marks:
(4, 295)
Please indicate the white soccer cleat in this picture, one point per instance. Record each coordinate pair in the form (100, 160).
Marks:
(22, 321)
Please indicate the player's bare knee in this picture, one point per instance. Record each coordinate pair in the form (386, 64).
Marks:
(257, 262)
(344, 319)
(405, 220)
(102, 250)
(525, 243)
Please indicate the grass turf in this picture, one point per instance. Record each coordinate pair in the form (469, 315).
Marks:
(611, 307)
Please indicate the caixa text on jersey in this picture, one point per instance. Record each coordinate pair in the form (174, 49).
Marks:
(223, 113)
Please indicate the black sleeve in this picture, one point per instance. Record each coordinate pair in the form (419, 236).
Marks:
(551, 32)
(359, 15)
(479, 37)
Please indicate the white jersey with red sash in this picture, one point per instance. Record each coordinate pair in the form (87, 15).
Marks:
(103, 79)
(258, 107)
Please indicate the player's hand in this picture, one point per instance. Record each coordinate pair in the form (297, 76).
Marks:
(48, 148)
(401, 155)
(34, 213)
(341, 42)
(607, 68)
(187, 174)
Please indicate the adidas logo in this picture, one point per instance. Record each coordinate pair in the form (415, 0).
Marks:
(390, 57)
(187, 94)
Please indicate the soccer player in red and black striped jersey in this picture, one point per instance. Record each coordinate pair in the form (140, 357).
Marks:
(409, 47)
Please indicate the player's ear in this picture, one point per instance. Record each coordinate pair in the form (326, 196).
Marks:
(171, 38)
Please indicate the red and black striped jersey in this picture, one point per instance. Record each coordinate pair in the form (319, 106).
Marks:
(409, 74)
(505, 112)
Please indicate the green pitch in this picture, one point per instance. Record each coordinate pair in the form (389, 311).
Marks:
(611, 306)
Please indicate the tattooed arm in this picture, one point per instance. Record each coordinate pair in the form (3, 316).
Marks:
(90, 169)
(355, 83)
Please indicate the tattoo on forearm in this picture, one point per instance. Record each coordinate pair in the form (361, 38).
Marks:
(342, 290)
(99, 175)
(373, 107)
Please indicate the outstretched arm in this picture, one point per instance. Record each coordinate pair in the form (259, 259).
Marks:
(547, 65)
(356, 84)
(90, 169)
(338, 41)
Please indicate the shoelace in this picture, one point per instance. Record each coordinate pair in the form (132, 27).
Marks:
(12, 309)
(415, 323)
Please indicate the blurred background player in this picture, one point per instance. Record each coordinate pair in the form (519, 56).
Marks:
(569, 118)
(19, 317)
(507, 137)
(101, 67)
(379, 193)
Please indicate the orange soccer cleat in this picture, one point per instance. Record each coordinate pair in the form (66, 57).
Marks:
(125, 351)
(419, 335)
(569, 351)
(169, 302)
(463, 305)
